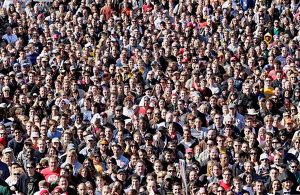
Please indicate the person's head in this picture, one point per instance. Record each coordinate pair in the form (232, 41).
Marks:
(81, 189)
(237, 184)
(30, 168)
(176, 188)
(53, 163)
(259, 187)
(63, 183)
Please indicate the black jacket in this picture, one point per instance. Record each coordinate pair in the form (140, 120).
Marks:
(29, 185)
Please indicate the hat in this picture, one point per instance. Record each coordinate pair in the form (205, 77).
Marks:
(57, 189)
(263, 156)
(260, 58)
(3, 105)
(71, 147)
(147, 87)
(35, 134)
(44, 59)
(233, 59)
(282, 133)
(168, 176)
(19, 75)
(28, 141)
(185, 60)
(121, 171)
(161, 128)
(231, 106)
(189, 150)
(119, 108)
(44, 192)
(251, 111)
(7, 150)
(104, 142)
(148, 136)
(261, 97)
(128, 137)
(25, 65)
(72, 67)
(89, 138)
(55, 36)
(56, 139)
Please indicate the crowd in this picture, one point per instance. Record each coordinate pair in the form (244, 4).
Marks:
(150, 97)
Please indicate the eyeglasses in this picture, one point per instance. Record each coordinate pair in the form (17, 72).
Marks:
(29, 167)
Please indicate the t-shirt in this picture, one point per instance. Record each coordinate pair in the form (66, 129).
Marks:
(16, 146)
(50, 176)
(225, 185)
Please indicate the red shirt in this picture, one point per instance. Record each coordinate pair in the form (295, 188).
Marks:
(225, 186)
(51, 176)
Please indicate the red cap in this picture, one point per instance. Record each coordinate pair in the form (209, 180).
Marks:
(2, 141)
(185, 60)
(233, 59)
(55, 36)
(190, 24)
(189, 150)
(181, 50)
(57, 189)
(44, 192)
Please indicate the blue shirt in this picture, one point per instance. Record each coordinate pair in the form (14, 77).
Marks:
(54, 134)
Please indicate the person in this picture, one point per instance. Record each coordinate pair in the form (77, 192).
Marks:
(28, 182)
(51, 173)
(4, 188)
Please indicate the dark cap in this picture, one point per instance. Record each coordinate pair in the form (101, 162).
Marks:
(161, 128)
(148, 136)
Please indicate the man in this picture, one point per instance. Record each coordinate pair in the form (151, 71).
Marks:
(17, 142)
(9, 36)
(238, 186)
(90, 146)
(52, 172)
(4, 188)
(177, 189)
(259, 188)
(288, 186)
(27, 183)
(121, 160)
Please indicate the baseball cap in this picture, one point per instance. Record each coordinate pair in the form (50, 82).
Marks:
(90, 138)
(7, 150)
(263, 156)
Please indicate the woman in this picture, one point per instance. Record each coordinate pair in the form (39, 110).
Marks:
(96, 158)
(84, 175)
(254, 157)
(275, 187)
(172, 135)
(247, 180)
